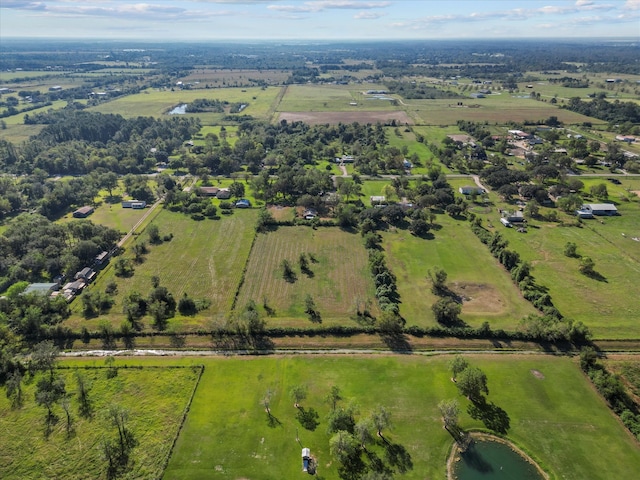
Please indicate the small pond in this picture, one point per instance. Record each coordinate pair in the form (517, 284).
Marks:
(179, 110)
(491, 460)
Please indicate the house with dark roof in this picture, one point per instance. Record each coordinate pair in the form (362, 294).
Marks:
(83, 212)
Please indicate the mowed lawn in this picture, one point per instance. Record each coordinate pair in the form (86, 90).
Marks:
(204, 259)
(339, 277)
(155, 399)
(552, 412)
(487, 289)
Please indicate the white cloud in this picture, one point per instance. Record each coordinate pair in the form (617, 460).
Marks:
(367, 15)
(321, 5)
(582, 3)
(632, 5)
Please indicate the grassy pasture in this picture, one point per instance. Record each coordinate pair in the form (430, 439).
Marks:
(608, 307)
(472, 273)
(154, 397)
(6, 77)
(329, 98)
(204, 259)
(18, 119)
(156, 103)
(221, 78)
(555, 416)
(339, 276)
(18, 133)
(499, 109)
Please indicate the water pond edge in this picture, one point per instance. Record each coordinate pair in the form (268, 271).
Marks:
(454, 455)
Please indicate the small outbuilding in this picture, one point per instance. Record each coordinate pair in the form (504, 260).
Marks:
(471, 190)
(600, 209)
(83, 212)
(223, 194)
(243, 203)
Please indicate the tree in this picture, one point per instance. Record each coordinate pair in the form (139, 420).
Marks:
(438, 281)
(349, 188)
(310, 309)
(266, 401)
(153, 231)
(571, 250)
(381, 419)
(236, 189)
(341, 419)
(287, 271)
(446, 310)
(43, 358)
(472, 383)
(450, 409)
(362, 432)
(457, 365)
(333, 397)
(13, 386)
(83, 386)
(298, 393)
(343, 445)
(49, 390)
(599, 191)
(587, 266)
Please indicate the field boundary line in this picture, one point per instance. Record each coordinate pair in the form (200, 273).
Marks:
(276, 103)
(184, 419)
(244, 272)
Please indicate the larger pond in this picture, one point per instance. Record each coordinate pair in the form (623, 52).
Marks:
(490, 460)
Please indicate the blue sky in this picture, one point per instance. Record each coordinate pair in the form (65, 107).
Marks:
(318, 19)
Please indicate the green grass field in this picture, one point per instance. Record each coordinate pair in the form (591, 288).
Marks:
(155, 399)
(608, 306)
(156, 103)
(328, 98)
(499, 109)
(204, 259)
(472, 273)
(554, 415)
(339, 278)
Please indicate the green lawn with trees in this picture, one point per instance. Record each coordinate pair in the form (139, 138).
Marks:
(243, 422)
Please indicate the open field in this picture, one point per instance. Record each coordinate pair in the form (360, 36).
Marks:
(330, 98)
(204, 259)
(316, 118)
(11, 76)
(502, 108)
(473, 274)
(608, 306)
(156, 103)
(219, 78)
(18, 133)
(155, 399)
(555, 415)
(337, 280)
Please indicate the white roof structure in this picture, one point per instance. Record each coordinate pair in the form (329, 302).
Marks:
(306, 453)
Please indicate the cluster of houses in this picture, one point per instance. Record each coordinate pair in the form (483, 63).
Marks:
(72, 288)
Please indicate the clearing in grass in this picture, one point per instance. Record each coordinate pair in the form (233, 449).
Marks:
(554, 415)
(473, 275)
(336, 276)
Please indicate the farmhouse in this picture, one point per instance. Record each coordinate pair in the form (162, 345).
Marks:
(378, 200)
(208, 191)
(471, 190)
(512, 217)
(310, 214)
(137, 204)
(345, 159)
(625, 138)
(223, 194)
(83, 212)
(86, 274)
(588, 210)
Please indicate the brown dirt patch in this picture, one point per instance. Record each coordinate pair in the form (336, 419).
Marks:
(637, 192)
(479, 297)
(318, 118)
(538, 374)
